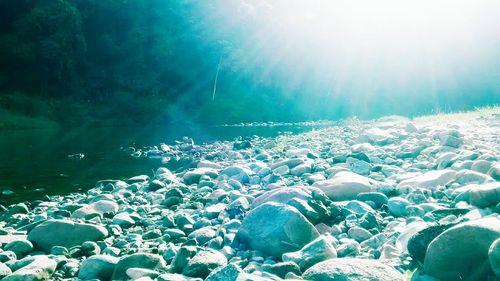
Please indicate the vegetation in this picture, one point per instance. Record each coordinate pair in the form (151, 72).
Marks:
(81, 61)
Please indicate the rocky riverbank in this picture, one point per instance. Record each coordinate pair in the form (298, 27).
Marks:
(391, 199)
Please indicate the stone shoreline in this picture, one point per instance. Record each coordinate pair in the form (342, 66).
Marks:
(391, 199)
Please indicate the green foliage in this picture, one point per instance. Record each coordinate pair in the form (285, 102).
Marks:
(134, 60)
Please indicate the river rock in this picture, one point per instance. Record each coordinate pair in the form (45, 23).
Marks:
(418, 243)
(97, 267)
(282, 195)
(454, 255)
(429, 180)
(4, 270)
(204, 262)
(192, 177)
(352, 269)
(100, 208)
(20, 247)
(138, 260)
(494, 257)
(397, 206)
(64, 233)
(484, 195)
(316, 251)
(32, 268)
(287, 231)
(345, 186)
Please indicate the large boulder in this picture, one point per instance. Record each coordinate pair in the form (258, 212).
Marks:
(352, 269)
(345, 186)
(33, 268)
(461, 252)
(64, 233)
(138, 260)
(429, 180)
(276, 228)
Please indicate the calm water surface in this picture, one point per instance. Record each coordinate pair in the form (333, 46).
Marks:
(35, 163)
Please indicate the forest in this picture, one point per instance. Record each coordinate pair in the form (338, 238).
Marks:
(129, 62)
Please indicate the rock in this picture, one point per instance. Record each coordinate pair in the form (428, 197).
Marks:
(419, 242)
(301, 169)
(123, 219)
(203, 235)
(345, 186)
(376, 197)
(359, 234)
(205, 261)
(20, 247)
(282, 195)
(494, 257)
(494, 171)
(97, 267)
(352, 269)
(469, 177)
(411, 229)
(192, 177)
(281, 269)
(4, 270)
(155, 185)
(429, 180)
(451, 138)
(316, 251)
(134, 273)
(484, 195)
(230, 272)
(64, 233)
(397, 206)
(176, 277)
(287, 231)
(138, 260)
(100, 208)
(239, 173)
(453, 255)
(32, 268)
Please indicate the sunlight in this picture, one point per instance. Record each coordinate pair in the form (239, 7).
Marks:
(377, 49)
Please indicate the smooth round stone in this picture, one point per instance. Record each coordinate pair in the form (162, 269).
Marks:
(138, 260)
(100, 208)
(494, 257)
(19, 247)
(4, 270)
(345, 186)
(376, 197)
(359, 234)
(97, 267)
(454, 255)
(287, 231)
(123, 219)
(204, 262)
(484, 195)
(397, 206)
(316, 251)
(32, 268)
(136, 273)
(64, 233)
(352, 269)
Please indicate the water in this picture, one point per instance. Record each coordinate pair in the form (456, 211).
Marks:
(35, 163)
